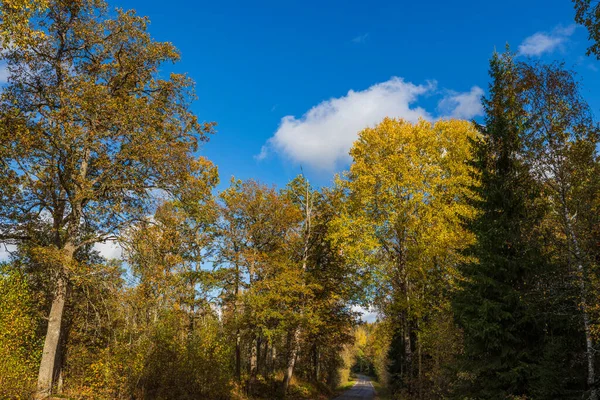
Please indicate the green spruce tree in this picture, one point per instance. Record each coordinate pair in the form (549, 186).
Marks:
(502, 336)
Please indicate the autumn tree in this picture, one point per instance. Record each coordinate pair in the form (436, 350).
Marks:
(170, 313)
(408, 188)
(286, 292)
(256, 225)
(89, 133)
(302, 196)
(15, 16)
(19, 347)
(167, 255)
(332, 286)
(560, 140)
(587, 13)
(339, 286)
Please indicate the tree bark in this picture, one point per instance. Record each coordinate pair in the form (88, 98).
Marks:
(253, 364)
(263, 349)
(408, 340)
(408, 353)
(238, 356)
(589, 344)
(273, 358)
(294, 342)
(238, 335)
(51, 349)
(291, 359)
(253, 357)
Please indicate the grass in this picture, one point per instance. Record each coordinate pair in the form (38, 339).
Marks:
(347, 386)
(305, 390)
(299, 389)
(383, 392)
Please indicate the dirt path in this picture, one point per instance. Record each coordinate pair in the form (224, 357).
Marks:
(362, 390)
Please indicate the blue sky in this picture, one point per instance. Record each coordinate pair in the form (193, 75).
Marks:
(261, 66)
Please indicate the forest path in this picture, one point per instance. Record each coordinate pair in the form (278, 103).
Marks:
(362, 390)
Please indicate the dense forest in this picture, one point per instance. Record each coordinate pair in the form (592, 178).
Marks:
(477, 243)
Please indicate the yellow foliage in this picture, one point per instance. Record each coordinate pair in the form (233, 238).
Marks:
(14, 22)
(19, 347)
(409, 187)
(410, 191)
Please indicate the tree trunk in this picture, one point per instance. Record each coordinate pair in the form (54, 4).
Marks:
(253, 364)
(408, 331)
(192, 324)
(420, 366)
(262, 357)
(408, 375)
(316, 363)
(273, 358)
(294, 339)
(238, 335)
(253, 357)
(50, 353)
(291, 359)
(238, 356)
(589, 344)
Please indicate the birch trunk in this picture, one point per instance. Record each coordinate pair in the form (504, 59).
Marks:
(294, 347)
(589, 344)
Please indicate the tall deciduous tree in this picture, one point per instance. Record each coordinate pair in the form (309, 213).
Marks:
(255, 235)
(408, 188)
(303, 196)
(560, 139)
(88, 132)
(336, 286)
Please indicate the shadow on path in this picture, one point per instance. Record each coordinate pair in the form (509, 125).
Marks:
(362, 390)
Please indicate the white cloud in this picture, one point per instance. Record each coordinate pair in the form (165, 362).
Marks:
(546, 42)
(264, 152)
(322, 137)
(109, 250)
(360, 39)
(462, 105)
